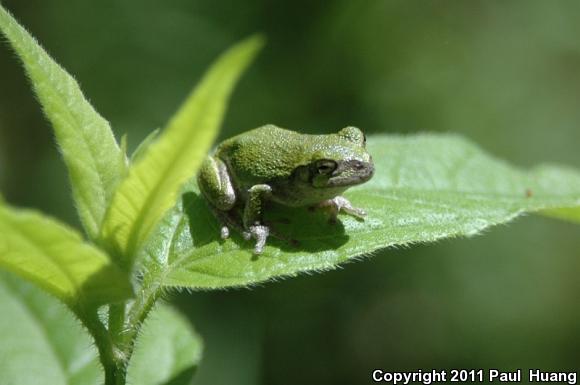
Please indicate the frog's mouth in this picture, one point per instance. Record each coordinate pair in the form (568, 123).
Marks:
(350, 173)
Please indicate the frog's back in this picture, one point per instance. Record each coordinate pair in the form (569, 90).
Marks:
(262, 154)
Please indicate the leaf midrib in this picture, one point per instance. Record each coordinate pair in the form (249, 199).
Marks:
(42, 251)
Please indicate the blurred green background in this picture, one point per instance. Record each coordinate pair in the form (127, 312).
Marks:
(505, 74)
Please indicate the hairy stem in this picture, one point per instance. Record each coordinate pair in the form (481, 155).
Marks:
(109, 355)
(136, 315)
(115, 337)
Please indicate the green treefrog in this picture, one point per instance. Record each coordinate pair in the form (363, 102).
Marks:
(293, 169)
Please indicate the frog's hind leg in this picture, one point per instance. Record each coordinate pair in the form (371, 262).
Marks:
(216, 186)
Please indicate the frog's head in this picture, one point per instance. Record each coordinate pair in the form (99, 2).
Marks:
(341, 160)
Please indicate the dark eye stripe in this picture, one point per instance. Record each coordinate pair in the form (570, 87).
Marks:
(326, 166)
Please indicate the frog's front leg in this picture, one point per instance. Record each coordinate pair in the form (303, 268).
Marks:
(253, 215)
(338, 204)
(216, 186)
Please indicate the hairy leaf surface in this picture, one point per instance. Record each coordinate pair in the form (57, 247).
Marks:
(50, 344)
(94, 160)
(156, 178)
(57, 259)
(426, 187)
(42, 343)
(167, 352)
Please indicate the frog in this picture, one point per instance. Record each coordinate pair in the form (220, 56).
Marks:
(273, 164)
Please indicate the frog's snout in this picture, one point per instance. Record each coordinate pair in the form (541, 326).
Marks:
(358, 165)
(367, 171)
(364, 169)
(370, 169)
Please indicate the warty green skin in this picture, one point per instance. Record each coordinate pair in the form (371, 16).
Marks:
(293, 169)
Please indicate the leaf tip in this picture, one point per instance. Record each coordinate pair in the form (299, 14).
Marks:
(249, 47)
(257, 40)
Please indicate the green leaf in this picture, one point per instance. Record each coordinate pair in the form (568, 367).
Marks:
(426, 187)
(144, 145)
(570, 214)
(167, 351)
(93, 158)
(57, 259)
(155, 180)
(41, 342)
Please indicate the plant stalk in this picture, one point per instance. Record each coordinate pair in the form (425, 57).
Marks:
(115, 339)
(115, 371)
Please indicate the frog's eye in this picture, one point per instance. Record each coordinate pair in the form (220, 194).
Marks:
(353, 134)
(326, 166)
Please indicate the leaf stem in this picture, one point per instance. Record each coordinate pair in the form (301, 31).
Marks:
(110, 356)
(116, 343)
(136, 316)
(116, 320)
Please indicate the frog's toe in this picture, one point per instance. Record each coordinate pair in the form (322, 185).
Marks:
(260, 234)
(341, 204)
(225, 232)
(355, 212)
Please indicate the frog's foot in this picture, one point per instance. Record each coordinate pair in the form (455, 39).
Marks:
(341, 204)
(260, 234)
